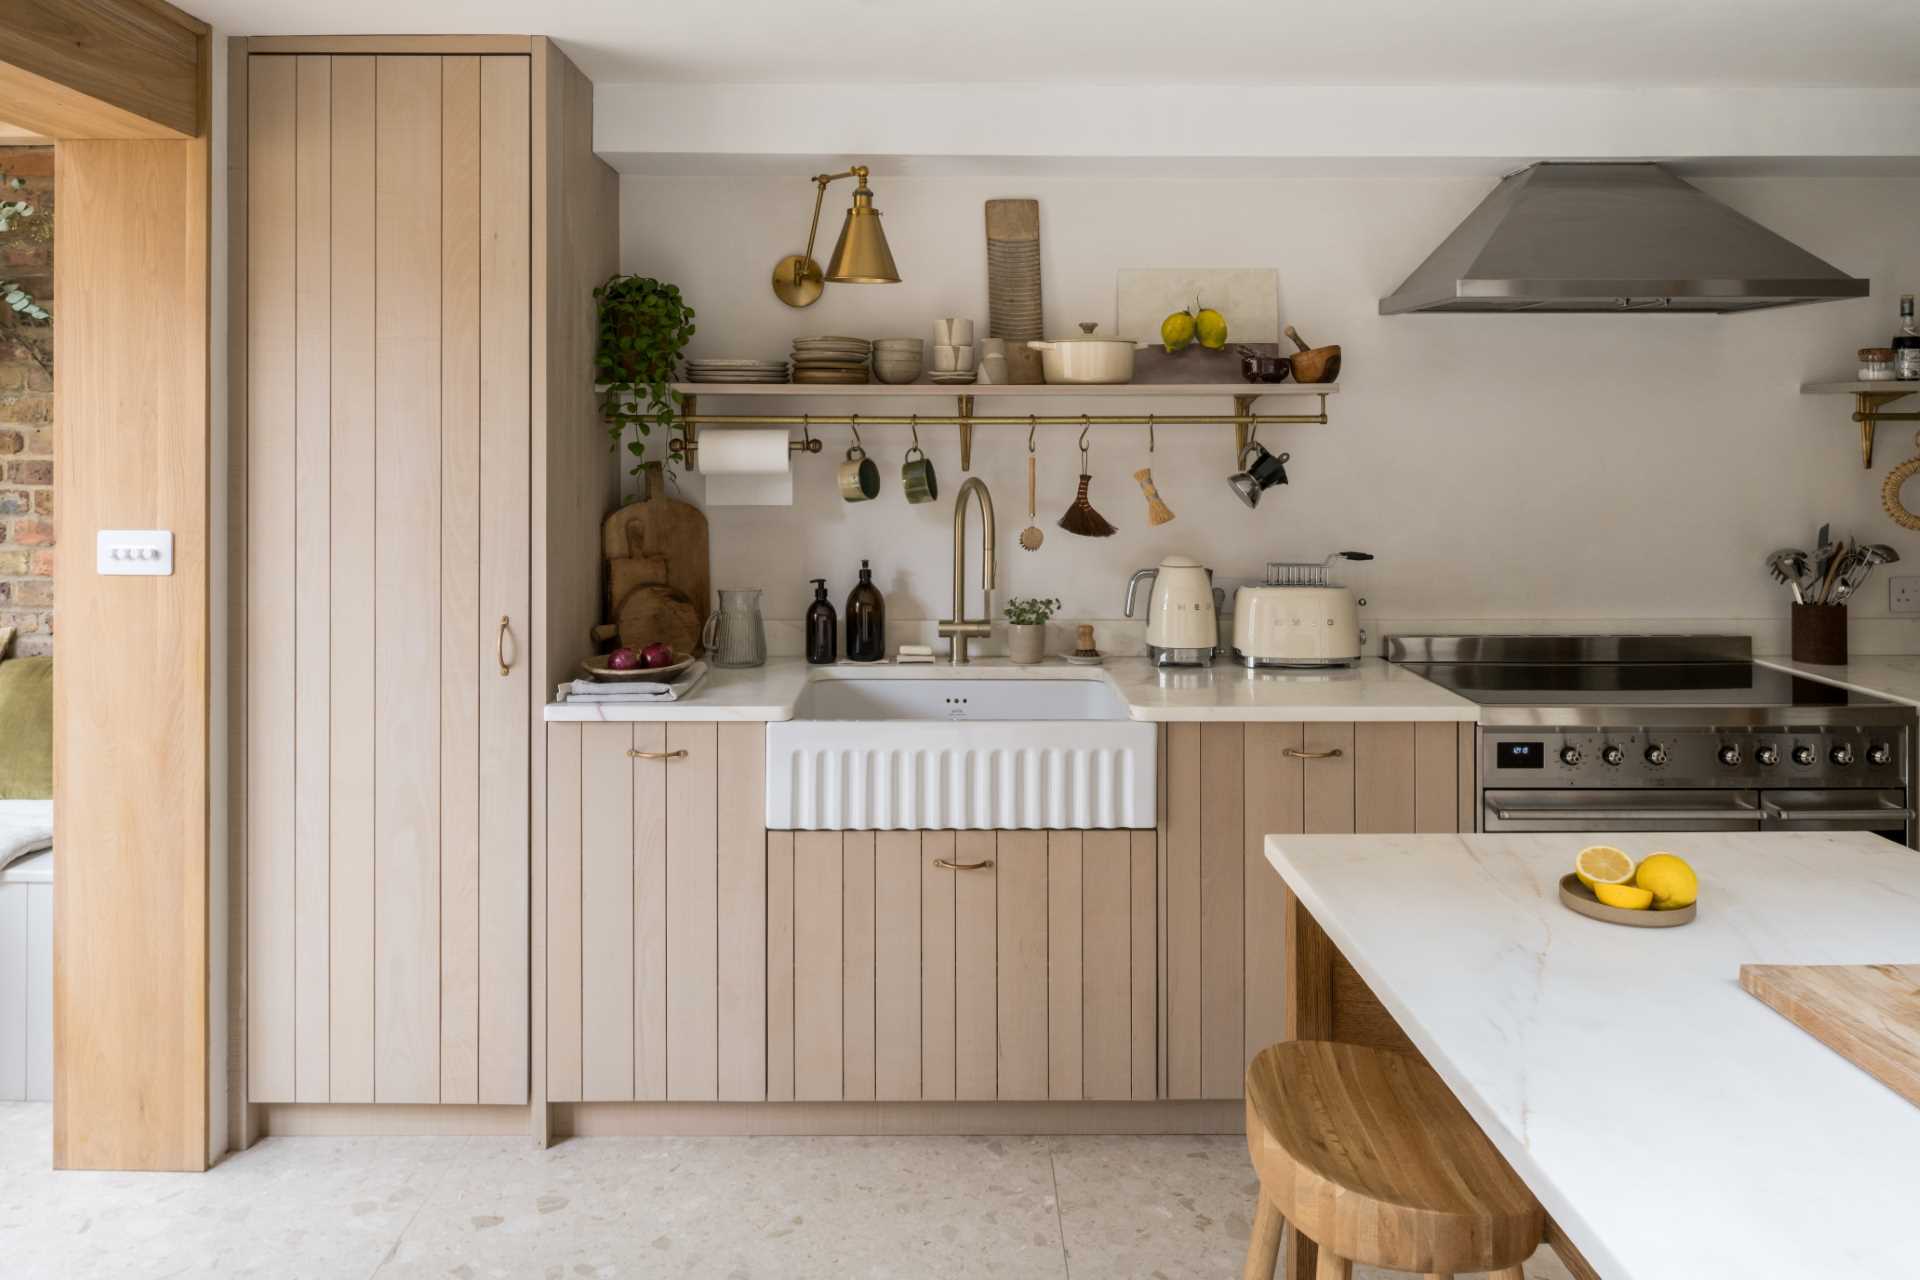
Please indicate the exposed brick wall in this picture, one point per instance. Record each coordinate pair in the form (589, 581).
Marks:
(26, 413)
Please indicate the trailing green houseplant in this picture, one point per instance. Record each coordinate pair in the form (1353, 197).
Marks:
(644, 326)
(21, 309)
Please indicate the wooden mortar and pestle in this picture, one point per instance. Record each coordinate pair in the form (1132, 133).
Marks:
(1312, 364)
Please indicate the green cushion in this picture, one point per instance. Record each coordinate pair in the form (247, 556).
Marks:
(26, 729)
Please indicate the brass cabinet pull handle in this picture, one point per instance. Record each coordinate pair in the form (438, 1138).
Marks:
(681, 754)
(500, 646)
(1294, 753)
(981, 865)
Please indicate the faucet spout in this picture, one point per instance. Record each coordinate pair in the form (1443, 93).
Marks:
(959, 628)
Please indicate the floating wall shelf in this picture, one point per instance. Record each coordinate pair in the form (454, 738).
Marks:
(1869, 401)
(1244, 420)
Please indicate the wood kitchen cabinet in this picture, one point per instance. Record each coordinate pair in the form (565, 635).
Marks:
(970, 965)
(1225, 787)
(657, 912)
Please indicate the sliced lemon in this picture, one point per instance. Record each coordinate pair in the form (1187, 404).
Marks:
(1669, 879)
(1599, 864)
(1624, 896)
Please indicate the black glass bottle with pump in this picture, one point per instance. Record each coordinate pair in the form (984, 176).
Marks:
(823, 627)
(866, 620)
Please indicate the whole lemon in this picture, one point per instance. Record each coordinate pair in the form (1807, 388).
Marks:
(1211, 326)
(1669, 879)
(1176, 331)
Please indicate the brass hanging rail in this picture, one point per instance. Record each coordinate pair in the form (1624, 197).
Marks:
(1243, 420)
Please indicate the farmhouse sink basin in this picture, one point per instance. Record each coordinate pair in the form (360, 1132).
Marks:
(887, 753)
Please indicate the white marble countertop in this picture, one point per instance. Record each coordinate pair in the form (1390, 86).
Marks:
(1672, 1124)
(1371, 690)
(1893, 676)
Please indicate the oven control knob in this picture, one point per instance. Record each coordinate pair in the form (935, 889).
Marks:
(1879, 753)
(1768, 755)
(1803, 754)
(1730, 756)
(1569, 755)
(1656, 755)
(1612, 754)
(1842, 754)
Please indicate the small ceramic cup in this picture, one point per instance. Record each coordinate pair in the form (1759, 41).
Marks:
(953, 331)
(917, 478)
(963, 358)
(946, 358)
(992, 347)
(993, 370)
(859, 476)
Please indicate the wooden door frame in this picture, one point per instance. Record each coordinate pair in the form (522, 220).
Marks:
(123, 88)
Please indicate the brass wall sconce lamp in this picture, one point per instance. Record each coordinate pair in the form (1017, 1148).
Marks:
(860, 257)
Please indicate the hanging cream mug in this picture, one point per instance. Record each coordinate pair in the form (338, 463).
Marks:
(859, 476)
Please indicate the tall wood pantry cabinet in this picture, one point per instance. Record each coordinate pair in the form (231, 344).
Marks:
(416, 534)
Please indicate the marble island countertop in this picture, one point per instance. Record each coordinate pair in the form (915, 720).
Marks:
(1373, 689)
(1672, 1124)
(1892, 676)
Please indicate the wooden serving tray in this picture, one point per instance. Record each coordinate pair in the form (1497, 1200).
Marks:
(1869, 1014)
(1576, 897)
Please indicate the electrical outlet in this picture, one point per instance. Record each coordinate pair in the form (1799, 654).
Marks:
(1903, 594)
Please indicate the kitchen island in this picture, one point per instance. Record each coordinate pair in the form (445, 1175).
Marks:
(1671, 1124)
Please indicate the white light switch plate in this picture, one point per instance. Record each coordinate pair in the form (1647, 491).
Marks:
(144, 553)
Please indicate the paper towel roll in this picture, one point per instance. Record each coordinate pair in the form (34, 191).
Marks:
(747, 467)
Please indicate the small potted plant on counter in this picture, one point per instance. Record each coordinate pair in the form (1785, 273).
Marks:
(1027, 627)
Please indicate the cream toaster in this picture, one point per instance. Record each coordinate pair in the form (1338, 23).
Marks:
(1297, 618)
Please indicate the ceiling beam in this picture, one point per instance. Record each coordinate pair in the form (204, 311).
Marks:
(82, 69)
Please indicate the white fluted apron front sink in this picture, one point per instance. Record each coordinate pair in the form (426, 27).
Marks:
(865, 754)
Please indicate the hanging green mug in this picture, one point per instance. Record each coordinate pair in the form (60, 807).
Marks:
(917, 478)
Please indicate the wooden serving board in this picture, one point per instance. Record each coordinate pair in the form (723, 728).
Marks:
(1869, 1014)
(658, 529)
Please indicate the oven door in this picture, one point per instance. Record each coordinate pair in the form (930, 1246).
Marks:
(1550, 809)
(1882, 812)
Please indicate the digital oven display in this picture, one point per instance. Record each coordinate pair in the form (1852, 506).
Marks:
(1520, 755)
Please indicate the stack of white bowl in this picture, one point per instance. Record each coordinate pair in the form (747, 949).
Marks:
(954, 357)
(898, 360)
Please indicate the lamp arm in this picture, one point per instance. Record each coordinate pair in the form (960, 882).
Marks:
(820, 195)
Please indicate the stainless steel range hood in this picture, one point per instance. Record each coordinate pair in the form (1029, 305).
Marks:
(1571, 236)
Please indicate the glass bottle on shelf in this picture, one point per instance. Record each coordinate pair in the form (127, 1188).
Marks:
(1906, 344)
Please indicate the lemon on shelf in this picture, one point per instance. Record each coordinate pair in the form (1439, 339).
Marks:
(1625, 896)
(1669, 879)
(1599, 864)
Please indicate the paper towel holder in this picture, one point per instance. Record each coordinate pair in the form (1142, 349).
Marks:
(685, 448)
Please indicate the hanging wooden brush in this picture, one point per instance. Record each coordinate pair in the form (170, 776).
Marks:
(1158, 512)
(1081, 518)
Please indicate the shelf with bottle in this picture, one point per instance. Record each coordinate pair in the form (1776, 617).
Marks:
(1889, 374)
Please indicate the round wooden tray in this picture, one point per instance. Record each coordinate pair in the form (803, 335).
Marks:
(1576, 897)
(597, 670)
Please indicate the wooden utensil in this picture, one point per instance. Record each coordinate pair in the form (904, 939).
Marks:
(671, 530)
(1312, 364)
(1576, 897)
(1869, 1014)
(1031, 537)
(1013, 283)
(656, 613)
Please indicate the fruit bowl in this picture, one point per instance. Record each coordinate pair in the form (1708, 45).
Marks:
(1576, 897)
(597, 669)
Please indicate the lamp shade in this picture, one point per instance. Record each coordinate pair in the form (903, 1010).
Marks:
(861, 255)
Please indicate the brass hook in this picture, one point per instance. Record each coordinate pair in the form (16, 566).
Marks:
(853, 421)
(1086, 425)
(1032, 425)
(914, 422)
(1149, 433)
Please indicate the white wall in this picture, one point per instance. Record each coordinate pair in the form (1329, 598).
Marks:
(1553, 469)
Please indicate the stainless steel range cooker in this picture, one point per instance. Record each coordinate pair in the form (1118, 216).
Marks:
(1669, 733)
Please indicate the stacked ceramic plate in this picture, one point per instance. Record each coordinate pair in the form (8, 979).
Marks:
(729, 369)
(831, 360)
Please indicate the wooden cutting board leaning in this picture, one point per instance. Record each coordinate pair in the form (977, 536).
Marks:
(658, 575)
(1869, 1014)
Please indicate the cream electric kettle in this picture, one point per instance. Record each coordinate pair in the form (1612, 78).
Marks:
(1182, 629)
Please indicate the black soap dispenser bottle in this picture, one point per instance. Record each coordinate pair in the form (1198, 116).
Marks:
(823, 627)
(866, 620)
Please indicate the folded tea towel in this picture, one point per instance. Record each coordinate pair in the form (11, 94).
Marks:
(615, 691)
(26, 826)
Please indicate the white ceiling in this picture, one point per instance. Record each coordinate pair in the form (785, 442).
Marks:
(1246, 42)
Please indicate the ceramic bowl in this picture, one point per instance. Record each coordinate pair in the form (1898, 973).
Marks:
(896, 371)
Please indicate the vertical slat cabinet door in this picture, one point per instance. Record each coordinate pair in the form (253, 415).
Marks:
(505, 537)
(649, 907)
(1021, 935)
(565, 810)
(313, 166)
(779, 966)
(1327, 782)
(1181, 857)
(937, 959)
(351, 638)
(1066, 975)
(407, 672)
(975, 964)
(1146, 966)
(744, 927)
(1275, 778)
(272, 1003)
(1383, 777)
(897, 967)
(856, 965)
(460, 748)
(817, 975)
(607, 933)
(1436, 777)
(691, 771)
(1223, 871)
(1106, 877)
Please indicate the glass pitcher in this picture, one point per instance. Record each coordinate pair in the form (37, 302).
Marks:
(735, 635)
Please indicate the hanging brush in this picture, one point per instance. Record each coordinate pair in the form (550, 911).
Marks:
(1081, 518)
(1158, 512)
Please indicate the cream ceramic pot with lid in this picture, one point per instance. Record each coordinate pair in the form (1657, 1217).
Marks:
(1086, 359)
(1182, 628)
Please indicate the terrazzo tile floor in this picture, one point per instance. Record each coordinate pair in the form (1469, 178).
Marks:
(725, 1208)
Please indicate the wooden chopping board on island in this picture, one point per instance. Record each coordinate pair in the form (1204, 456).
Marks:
(1869, 1014)
(657, 541)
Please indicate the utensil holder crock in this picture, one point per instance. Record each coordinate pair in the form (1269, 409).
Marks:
(1820, 633)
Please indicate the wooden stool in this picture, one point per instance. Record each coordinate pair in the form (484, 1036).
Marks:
(1374, 1160)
